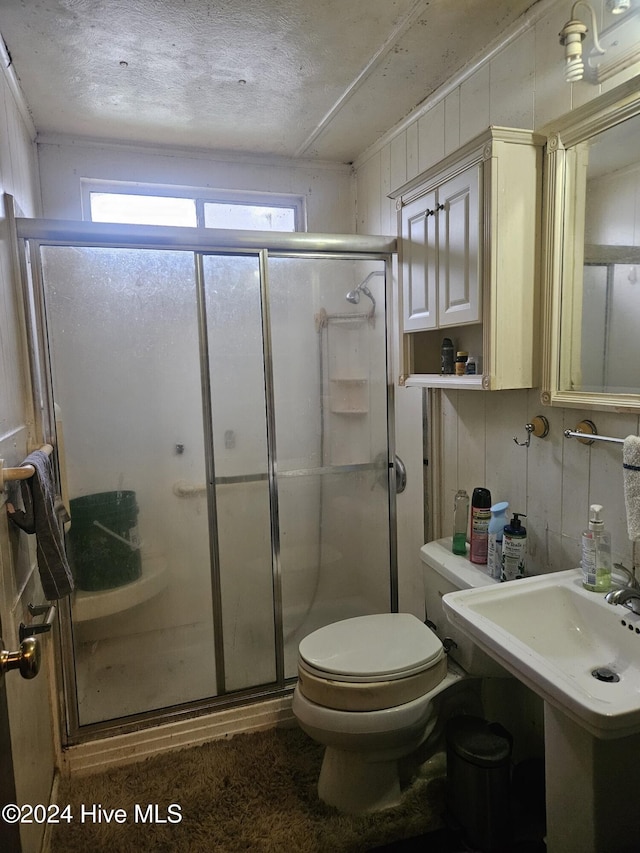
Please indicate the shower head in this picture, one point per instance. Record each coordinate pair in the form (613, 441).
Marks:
(354, 295)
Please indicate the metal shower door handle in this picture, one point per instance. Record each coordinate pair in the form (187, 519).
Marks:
(401, 474)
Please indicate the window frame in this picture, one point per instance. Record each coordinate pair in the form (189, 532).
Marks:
(200, 195)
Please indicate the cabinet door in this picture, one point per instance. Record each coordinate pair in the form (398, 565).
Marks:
(419, 264)
(459, 257)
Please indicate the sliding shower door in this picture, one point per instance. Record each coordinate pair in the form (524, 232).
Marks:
(242, 498)
(222, 432)
(124, 347)
(331, 417)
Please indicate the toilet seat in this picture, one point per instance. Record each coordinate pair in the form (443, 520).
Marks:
(370, 663)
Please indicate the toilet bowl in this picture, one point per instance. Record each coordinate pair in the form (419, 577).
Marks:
(370, 689)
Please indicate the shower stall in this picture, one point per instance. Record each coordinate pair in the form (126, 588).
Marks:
(224, 400)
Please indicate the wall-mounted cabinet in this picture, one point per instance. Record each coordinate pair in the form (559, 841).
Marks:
(470, 230)
(440, 275)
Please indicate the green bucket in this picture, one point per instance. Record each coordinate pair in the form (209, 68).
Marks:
(104, 550)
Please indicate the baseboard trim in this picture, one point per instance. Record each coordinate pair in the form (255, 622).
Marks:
(119, 750)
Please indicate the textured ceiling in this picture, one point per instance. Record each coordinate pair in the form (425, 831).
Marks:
(299, 78)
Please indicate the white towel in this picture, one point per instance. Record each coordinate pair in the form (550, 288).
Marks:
(631, 470)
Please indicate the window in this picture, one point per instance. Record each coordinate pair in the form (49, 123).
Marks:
(142, 209)
(257, 217)
(187, 207)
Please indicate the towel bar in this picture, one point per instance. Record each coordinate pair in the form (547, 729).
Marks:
(586, 433)
(22, 472)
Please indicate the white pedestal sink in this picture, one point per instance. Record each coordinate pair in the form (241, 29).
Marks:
(582, 656)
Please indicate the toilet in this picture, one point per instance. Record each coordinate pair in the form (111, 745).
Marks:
(370, 688)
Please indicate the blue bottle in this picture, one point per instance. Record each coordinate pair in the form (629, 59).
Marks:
(494, 544)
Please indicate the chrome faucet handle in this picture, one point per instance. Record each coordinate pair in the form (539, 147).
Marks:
(629, 598)
(632, 583)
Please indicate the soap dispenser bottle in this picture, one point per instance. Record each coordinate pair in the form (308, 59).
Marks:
(514, 549)
(596, 553)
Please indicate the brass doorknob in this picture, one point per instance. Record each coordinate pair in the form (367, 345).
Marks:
(26, 659)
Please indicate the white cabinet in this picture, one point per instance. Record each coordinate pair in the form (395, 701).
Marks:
(470, 232)
(440, 261)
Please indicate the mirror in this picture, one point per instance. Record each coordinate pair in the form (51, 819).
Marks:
(591, 316)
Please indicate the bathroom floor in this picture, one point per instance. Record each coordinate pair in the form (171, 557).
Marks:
(527, 816)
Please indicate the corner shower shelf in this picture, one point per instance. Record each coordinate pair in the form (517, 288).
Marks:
(90, 605)
(349, 396)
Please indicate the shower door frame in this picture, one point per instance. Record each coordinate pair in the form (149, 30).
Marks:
(33, 234)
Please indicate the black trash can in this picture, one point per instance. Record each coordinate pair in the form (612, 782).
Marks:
(479, 782)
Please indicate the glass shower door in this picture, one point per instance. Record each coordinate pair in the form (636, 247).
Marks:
(159, 385)
(329, 340)
(242, 498)
(123, 343)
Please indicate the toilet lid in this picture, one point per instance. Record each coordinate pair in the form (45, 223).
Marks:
(381, 647)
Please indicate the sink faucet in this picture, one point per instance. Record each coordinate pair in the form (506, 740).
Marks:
(629, 598)
(619, 595)
(629, 575)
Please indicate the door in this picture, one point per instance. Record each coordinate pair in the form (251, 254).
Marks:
(336, 519)
(458, 249)
(27, 752)
(125, 344)
(9, 832)
(241, 505)
(419, 263)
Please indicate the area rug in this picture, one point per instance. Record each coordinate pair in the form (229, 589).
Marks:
(253, 792)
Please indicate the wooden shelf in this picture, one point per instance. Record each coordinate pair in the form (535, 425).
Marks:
(436, 380)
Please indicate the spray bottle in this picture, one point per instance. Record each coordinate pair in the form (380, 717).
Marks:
(480, 516)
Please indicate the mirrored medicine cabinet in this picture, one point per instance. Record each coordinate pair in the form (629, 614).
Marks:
(591, 314)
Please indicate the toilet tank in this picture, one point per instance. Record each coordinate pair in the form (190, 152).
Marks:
(443, 572)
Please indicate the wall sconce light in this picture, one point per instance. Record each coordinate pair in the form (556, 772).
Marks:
(617, 7)
(571, 38)
(620, 41)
